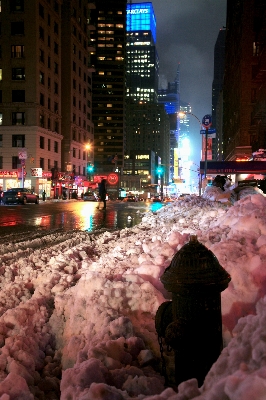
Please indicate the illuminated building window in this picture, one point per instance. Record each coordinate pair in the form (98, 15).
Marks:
(18, 118)
(18, 51)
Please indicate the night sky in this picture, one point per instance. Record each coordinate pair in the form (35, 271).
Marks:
(186, 33)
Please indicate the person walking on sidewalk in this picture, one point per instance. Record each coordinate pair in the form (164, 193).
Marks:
(102, 193)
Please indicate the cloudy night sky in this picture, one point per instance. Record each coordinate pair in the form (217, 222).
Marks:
(186, 33)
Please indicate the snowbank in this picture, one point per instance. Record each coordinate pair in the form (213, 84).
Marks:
(77, 310)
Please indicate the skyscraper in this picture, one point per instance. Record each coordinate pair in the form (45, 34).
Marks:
(170, 97)
(147, 122)
(142, 57)
(108, 87)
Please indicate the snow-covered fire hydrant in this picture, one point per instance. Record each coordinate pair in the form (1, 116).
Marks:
(191, 324)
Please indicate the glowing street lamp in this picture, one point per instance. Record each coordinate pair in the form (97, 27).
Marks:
(181, 114)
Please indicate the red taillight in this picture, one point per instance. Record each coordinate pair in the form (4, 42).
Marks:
(19, 193)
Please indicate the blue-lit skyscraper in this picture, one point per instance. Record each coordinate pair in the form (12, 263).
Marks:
(142, 58)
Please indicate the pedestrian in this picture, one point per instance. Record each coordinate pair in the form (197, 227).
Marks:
(43, 195)
(102, 193)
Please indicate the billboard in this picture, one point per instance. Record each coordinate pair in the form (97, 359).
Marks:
(209, 148)
(141, 17)
(36, 172)
(175, 163)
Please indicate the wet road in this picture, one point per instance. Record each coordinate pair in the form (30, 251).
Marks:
(72, 215)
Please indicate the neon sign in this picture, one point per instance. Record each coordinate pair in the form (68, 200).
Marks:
(138, 11)
(8, 174)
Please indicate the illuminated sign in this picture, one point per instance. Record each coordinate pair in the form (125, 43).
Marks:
(112, 179)
(8, 174)
(209, 148)
(46, 174)
(140, 11)
(141, 17)
(143, 157)
(175, 162)
(36, 172)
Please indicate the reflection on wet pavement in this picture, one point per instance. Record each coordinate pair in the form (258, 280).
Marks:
(75, 215)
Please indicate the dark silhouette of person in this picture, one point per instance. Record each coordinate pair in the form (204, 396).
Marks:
(102, 193)
(43, 195)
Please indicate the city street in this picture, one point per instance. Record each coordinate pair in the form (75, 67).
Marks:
(71, 215)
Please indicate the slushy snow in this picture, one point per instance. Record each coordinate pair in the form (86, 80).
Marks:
(77, 310)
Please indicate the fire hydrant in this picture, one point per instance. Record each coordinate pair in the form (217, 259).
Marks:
(191, 324)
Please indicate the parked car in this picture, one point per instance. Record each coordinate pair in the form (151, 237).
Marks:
(131, 198)
(20, 196)
(90, 196)
(156, 200)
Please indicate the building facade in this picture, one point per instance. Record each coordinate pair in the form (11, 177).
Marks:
(148, 129)
(76, 90)
(34, 121)
(108, 42)
(217, 85)
(170, 98)
(244, 89)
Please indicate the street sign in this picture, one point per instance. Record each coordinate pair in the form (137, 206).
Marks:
(210, 131)
(207, 121)
(22, 154)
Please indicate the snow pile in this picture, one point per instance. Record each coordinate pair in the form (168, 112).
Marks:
(77, 310)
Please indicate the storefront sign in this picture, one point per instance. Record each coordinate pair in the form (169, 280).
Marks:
(36, 172)
(46, 174)
(8, 174)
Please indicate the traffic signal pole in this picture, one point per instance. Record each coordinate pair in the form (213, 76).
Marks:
(206, 153)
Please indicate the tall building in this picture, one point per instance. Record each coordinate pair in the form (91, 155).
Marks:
(142, 57)
(148, 129)
(217, 85)
(170, 98)
(108, 41)
(147, 121)
(244, 89)
(184, 147)
(76, 87)
(45, 121)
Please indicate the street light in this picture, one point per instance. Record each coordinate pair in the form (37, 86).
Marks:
(181, 114)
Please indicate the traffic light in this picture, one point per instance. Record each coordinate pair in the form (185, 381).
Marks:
(90, 168)
(159, 170)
